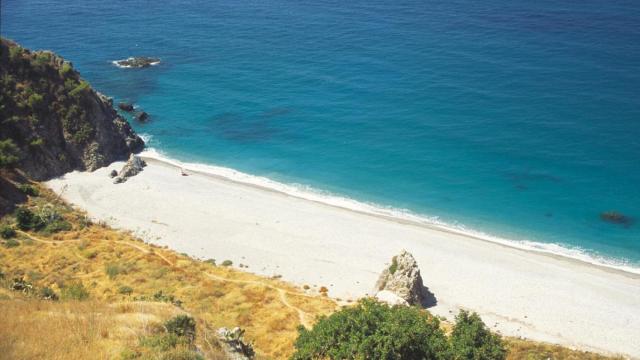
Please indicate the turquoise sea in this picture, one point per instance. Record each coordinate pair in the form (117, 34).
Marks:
(518, 120)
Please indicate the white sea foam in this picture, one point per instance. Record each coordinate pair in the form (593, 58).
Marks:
(313, 194)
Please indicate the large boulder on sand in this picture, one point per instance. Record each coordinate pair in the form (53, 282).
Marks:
(133, 167)
(402, 279)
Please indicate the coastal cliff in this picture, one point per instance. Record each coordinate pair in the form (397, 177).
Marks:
(52, 121)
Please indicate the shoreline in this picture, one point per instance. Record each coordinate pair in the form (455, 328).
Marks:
(398, 215)
(517, 292)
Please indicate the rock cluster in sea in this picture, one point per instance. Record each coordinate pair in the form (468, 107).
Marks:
(401, 282)
(137, 62)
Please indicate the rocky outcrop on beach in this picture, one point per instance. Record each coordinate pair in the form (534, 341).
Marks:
(401, 283)
(56, 121)
(133, 167)
(234, 345)
(137, 62)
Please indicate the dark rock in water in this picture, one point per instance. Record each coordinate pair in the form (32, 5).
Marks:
(113, 174)
(615, 217)
(137, 62)
(125, 106)
(142, 116)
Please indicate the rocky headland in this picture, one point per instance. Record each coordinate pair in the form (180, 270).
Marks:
(52, 121)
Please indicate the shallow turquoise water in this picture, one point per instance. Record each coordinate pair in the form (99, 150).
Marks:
(516, 119)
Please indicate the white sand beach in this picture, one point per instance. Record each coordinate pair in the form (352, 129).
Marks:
(517, 292)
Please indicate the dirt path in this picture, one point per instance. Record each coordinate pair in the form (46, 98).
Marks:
(304, 318)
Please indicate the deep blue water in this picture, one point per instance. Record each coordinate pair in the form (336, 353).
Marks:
(519, 119)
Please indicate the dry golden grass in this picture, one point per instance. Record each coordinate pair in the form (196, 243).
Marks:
(105, 260)
(530, 350)
(35, 329)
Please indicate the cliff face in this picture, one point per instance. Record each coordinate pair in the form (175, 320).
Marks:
(56, 120)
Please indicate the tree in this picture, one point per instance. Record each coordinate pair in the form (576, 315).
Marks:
(182, 325)
(372, 330)
(471, 340)
(8, 153)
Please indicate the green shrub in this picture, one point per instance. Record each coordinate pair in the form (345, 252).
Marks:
(75, 291)
(183, 326)
(36, 142)
(125, 290)
(65, 69)
(394, 266)
(472, 340)
(57, 226)
(227, 263)
(7, 232)
(8, 153)
(27, 220)
(82, 86)
(112, 270)
(47, 293)
(181, 354)
(163, 342)
(28, 189)
(211, 261)
(35, 101)
(11, 243)
(372, 330)
(15, 53)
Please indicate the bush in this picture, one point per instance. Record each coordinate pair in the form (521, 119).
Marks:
(394, 266)
(8, 153)
(27, 220)
(82, 86)
(7, 232)
(472, 340)
(227, 263)
(112, 270)
(183, 326)
(47, 293)
(372, 330)
(163, 342)
(125, 290)
(11, 243)
(75, 291)
(28, 189)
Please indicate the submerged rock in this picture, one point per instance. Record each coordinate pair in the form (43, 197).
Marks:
(137, 62)
(132, 168)
(124, 106)
(402, 279)
(615, 217)
(142, 116)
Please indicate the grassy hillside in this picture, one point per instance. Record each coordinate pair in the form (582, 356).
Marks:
(121, 274)
(115, 292)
